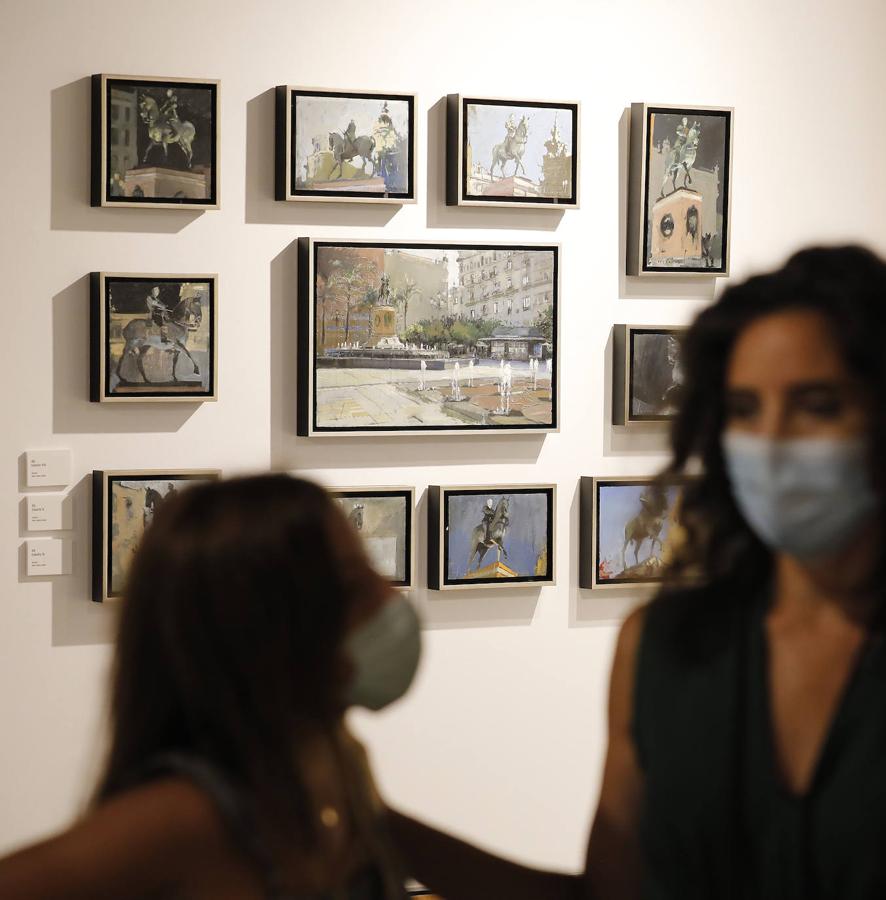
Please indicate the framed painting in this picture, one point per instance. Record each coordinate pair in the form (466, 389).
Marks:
(155, 142)
(496, 536)
(153, 337)
(629, 529)
(383, 518)
(520, 153)
(647, 377)
(124, 502)
(679, 190)
(440, 338)
(345, 145)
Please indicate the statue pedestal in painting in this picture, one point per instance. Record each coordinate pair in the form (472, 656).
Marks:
(384, 327)
(155, 181)
(493, 570)
(675, 228)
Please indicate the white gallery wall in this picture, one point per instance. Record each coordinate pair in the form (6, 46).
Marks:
(502, 737)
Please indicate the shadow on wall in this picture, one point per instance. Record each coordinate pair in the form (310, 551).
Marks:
(76, 620)
(442, 216)
(289, 451)
(635, 287)
(71, 140)
(72, 411)
(263, 209)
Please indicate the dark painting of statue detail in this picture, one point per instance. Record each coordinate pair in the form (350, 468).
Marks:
(656, 376)
(687, 189)
(159, 141)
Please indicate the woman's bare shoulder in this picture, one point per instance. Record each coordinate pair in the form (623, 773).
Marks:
(148, 835)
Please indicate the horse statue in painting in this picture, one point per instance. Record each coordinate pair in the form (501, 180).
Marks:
(349, 145)
(647, 524)
(140, 335)
(164, 126)
(512, 147)
(681, 156)
(490, 533)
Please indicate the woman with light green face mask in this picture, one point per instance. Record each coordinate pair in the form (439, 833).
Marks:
(251, 621)
(747, 729)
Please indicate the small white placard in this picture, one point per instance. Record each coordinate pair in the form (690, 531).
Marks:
(50, 512)
(48, 468)
(48, 556)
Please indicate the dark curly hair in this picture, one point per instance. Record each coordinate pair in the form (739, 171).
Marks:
(847, 286)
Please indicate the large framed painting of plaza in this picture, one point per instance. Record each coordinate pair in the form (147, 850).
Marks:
(492, 536)
(344, 145)
(383, 519)
(520, 153)
(153, 337)
(155, 142)
(442, 338)
(647, 376)
(629, 530)
(679, 190)
(124, 502)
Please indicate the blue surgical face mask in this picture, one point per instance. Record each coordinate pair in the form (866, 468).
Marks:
(807, 497)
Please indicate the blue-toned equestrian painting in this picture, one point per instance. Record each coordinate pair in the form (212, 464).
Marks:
(637, 530)
(519, 151)
(498, 536)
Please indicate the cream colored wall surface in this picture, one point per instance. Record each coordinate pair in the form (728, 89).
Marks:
(502, 737)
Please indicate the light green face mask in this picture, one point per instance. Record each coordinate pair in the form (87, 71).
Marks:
(384, 651)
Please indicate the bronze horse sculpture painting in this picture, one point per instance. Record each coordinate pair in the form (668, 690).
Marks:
(155, 142)
(352, 146)
(629, 530)
(153, 337)
(494, 536)
(511, 152)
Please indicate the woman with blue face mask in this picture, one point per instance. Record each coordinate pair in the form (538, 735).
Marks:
(251, 621)
(747, 724)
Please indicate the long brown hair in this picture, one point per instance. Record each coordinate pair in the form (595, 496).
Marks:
(847, 286)
(229, 640)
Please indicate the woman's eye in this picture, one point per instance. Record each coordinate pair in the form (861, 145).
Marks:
(741, 407)
(824, 405)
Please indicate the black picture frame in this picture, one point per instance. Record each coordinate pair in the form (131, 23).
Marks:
(696, 225)
(286, 167)
(591, 573)
(103, 531)
(103, 370)
(439, 544)
(459, 159)
(172, 181)
(407, 495)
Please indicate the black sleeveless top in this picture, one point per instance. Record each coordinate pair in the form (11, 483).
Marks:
(717, 822)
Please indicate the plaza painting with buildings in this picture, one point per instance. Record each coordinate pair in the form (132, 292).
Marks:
(427, 337)
(153, 337)
(156, 143)
(686, 191)
(346, 145)
(512, 151)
